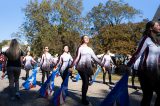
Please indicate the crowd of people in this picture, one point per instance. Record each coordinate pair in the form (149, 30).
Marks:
(144, 63)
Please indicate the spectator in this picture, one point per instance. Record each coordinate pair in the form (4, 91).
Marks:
(14, 60)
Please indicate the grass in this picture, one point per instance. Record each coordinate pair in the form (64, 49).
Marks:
(115, 77)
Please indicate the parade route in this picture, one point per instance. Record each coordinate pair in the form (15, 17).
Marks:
(96, 93)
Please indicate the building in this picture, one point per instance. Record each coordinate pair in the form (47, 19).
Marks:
(4, 48)
(157, 15)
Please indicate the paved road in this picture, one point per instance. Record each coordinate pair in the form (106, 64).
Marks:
(96, 93)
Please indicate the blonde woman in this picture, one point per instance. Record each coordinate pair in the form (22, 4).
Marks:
(14, 60)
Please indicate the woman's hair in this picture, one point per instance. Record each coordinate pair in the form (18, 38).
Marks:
(82, 39)
(30, 53)
(63, 49)
(148, 27)
(45, 48)
(106, 49)
(64, 46)
(13, 51)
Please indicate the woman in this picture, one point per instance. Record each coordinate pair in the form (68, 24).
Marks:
(14, 60)
(3, 64)
(45, 63)
(107, 61)
(55, 60)
(149, 68)
(84, 66)
(64, 61)
(29, 61)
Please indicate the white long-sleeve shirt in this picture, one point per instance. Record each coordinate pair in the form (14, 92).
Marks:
(107, 60)
(28, 62)
(54, 60)
(65, 61)
(136, 64)
(46, 61)
(149, 52)
(84, 58)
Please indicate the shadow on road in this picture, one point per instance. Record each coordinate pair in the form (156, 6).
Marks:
(32, 98)
(28, 98)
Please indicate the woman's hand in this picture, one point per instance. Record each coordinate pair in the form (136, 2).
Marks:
(55, 67)
(70, 69)
(104, 69)
(101, 64)
(3, 75)
(127, 69)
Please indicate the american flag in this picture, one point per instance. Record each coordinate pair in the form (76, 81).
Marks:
(60, 95)
(31, 81)
(47, 88)
(119, 94)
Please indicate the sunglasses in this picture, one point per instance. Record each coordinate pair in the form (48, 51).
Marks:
(46, 48)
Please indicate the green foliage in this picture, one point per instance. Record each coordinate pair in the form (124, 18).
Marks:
(112, 13)
(68, 14)
(121, 39)
(55, 23)
(4, 43)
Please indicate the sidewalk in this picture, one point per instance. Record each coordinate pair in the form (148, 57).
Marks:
(96, 93)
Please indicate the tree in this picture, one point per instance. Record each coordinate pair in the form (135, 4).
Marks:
(53, 24)
(119, 38)
(68, 14)
(112, 13)
(4, 43)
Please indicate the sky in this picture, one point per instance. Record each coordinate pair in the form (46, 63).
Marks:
(12, 16)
